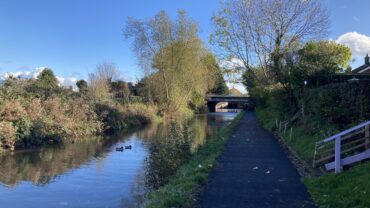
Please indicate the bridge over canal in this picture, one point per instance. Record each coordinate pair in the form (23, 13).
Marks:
(240, 102)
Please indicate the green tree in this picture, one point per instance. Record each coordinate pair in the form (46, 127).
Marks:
(234, 91)
(99, 85)
(324, 55)
(45, 85)
(47, 80)
(172, 57)
(220, 87)
(218, 84)
(82, 86)
(121, 91)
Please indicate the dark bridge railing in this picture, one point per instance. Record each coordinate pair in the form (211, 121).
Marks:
(227, 98)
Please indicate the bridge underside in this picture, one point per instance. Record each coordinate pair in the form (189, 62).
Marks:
(229, 102)
(212, 105)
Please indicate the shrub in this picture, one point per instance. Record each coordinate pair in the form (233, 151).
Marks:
(117, 117)
(144, 113)
(39, 121)
(12, 110)
(340, 104)
(7, 135)
(37, 111)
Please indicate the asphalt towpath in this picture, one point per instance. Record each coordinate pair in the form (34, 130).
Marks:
(254, 172)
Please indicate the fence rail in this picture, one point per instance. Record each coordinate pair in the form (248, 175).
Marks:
(345, 148)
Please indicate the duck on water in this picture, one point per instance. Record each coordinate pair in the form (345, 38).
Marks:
(122, 148)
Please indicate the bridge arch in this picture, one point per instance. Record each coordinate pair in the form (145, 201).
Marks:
(239, 101)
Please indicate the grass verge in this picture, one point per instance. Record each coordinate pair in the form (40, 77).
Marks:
(350, 188)
(182, 187)
(302, 144)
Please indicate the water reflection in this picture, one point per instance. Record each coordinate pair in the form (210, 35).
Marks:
(43, 166)
(93, 174)
(167, 153)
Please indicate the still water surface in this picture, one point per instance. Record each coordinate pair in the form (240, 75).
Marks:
(94, 174)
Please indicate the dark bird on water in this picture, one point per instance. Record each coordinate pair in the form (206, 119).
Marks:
(122, 148)
(119, 149)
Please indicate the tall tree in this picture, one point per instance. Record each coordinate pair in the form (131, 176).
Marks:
(99, 83)
(324, 55)
(171, 55)
(82, 86)
(316, 60)
(107, 70)
(47, 80)
(261, 32)
(218, 84)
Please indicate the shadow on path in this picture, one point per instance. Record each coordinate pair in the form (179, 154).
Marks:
(254, 172)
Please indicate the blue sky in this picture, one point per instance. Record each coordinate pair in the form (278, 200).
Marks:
(72, 36)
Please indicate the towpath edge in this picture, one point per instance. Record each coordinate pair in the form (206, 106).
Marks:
(253, 172)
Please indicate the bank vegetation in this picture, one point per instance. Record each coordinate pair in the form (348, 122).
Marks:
(302, 84)
(37, 111)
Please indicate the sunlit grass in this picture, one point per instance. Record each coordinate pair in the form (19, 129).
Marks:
(302, 143)
(351, 188)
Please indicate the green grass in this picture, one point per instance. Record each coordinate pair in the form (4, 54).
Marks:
(350, 188)
(301, 143)
(181, 188)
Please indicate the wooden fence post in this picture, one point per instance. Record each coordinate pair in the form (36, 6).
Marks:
(279, 126)
(367, 137)
(285, 127)
(338, 166)
(276, 123)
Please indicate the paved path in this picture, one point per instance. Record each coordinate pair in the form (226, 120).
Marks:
(254, 172)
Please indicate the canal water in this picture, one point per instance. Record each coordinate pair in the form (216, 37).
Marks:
(97, 172)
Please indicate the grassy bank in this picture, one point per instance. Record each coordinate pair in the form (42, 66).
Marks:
(301, 142)
(182, 186)
(350, 188)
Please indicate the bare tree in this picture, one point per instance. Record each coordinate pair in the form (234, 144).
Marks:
(258, 32)
(100, 82)
(98, 88)
(107, 70)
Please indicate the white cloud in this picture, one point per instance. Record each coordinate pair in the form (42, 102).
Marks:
(238, 86)
(23, 74)
(63, 81)
(358, 43)
(68, 82)
(232, 63)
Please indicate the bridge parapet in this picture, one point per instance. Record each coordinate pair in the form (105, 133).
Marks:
(227, 98)
(212, 100)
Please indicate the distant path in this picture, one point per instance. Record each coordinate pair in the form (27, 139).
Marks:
(254, 172)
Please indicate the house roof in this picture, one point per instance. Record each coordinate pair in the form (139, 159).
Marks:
(361, 68)
(364, 68)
